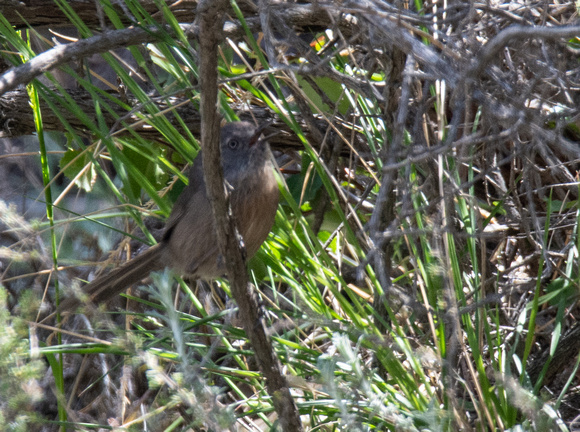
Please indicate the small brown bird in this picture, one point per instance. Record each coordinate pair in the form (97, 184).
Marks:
(189, 243)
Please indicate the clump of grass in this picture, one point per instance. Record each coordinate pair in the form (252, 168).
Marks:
(21, 370)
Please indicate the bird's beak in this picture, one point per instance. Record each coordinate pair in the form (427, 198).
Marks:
(256, 137)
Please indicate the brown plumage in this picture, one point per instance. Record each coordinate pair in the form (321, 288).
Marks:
(189, 241)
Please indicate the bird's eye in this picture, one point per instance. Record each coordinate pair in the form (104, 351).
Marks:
(233, 144)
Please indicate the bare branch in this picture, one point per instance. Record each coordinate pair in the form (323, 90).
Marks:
(210, 16)
(61, 54)
(516, 32)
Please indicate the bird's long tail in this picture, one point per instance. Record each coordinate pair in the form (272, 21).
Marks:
(111, 284)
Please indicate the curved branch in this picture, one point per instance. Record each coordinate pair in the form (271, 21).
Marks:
(517, 32)
(61, 54)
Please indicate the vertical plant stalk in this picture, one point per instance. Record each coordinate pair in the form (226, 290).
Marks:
(383, 216)
(211, 17)
(35, 105)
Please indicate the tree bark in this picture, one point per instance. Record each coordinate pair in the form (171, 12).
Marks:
(44, 13)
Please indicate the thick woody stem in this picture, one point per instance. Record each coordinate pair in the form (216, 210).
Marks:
(210, 15)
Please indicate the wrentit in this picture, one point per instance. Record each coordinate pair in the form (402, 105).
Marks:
(189, 243)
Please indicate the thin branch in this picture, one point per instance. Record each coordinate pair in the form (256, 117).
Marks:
(517, 32)
(61, 54)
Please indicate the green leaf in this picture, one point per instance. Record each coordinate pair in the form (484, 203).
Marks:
(78, 167)
(332, 89)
